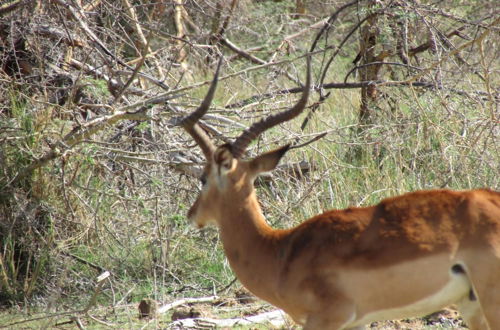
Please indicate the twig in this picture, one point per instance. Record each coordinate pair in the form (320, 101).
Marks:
(114, 84)
(455, 51)
(379, 63)
(97, 290)
(329, 23)
(239, 73)
(241, 52)
(308, 29)
(250, 57)
(48, 316)
(134, 74)
(77, 135)
(78, 323)
(101, 321)
(79, 16)
(145, 49)
(314, 139)
(58, 35)
(84, 261)
(346, 85)
(11, 6)
(276, 318)
(92, 5)
(74, 318)
(226, 287)
(167, 307)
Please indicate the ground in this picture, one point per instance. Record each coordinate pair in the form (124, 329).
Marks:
(238, 306)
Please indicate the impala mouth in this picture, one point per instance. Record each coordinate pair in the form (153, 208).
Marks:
(194, 223)
(191, 217)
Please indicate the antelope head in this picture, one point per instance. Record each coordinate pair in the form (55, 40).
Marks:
(227, 179)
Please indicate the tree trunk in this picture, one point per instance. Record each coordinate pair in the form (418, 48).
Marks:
(368, 41)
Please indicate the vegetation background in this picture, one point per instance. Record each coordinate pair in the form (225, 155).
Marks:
(96, 177)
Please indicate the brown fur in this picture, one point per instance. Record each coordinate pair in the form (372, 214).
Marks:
(342, 268)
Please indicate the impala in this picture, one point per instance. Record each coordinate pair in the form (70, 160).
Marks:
(407, 256)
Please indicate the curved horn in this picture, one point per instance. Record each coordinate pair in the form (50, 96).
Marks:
(190, 122)
(239, 146)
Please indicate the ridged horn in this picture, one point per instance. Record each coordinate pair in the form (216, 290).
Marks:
(190, 122)
(239, 146)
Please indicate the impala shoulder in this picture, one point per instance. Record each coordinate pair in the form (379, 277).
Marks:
(478, 205)
(327, 231)
(486, 196)
(482, 207)
(339, 223)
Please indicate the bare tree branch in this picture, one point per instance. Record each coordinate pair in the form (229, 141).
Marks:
(13, 5)
(77, 135)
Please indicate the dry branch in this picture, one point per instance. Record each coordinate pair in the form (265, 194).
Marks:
(276, 318)
(118, 95)
(218, 31)
(167, 307)
(308, 29)
(79, 16)
(84, 261)
(142, 40)
(92, 5)
(329, 23)
(238, 73)
(100, 282)
(89, 69)
(59, 35)
(13, 5)
(457, 50)
(347, 85)
(136, 26)
(355, 85)
(180, 34)
(73, 314)
(77, 135)
(249, 57)
(241, 52)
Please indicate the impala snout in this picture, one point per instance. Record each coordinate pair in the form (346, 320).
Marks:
(201, 214)
(196, 215)
(191, 215)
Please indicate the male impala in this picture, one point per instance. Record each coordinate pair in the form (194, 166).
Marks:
(407, 256)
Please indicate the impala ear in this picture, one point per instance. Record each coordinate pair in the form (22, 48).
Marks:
(223, 157)
(268, 161)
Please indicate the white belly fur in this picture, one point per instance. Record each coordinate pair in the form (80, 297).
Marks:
(456, 288)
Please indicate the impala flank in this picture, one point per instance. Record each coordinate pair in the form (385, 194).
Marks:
(407, 256)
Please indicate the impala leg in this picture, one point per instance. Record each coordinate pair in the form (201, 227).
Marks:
(471, 311)
(493, 315)
(485, 277)
(489, 297)
(327, 323)
(338, 319)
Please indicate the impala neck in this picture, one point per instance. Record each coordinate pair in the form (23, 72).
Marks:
(251, 246)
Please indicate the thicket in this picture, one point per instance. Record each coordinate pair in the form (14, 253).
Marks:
(95, 175)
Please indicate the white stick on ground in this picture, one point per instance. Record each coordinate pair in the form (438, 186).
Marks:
(167, 307)
(275, 318)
